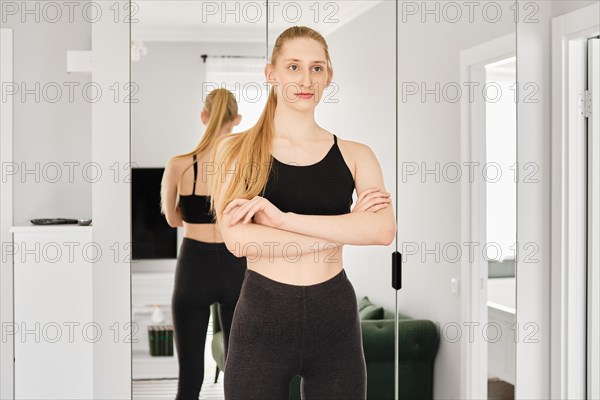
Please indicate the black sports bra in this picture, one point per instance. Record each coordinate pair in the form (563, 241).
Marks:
(195, 209)
(323, 188)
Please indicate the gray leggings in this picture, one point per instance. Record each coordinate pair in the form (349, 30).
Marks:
(281, 330)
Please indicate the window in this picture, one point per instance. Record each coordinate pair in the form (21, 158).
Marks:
(245, 78)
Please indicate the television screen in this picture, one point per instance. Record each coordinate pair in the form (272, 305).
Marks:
(152, 237)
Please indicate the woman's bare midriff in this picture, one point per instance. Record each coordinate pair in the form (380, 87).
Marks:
(203, 232)
(307, 269)
(301, 270)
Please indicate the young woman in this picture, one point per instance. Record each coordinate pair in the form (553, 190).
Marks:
(282, 199)
(206, 272)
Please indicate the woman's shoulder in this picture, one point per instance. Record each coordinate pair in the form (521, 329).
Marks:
(355, 150)
(176, 162)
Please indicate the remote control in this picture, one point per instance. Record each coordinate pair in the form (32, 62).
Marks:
(53, 221)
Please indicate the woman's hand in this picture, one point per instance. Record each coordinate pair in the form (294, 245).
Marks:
(259, 209)
(371, 199)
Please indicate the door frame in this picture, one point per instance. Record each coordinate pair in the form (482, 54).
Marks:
(568, 223)
(473, 211)
(593, 238)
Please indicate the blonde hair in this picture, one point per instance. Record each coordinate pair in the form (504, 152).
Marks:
(221, 106)
(252, 148)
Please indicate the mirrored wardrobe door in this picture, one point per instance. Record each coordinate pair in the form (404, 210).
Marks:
(181, 52)
(457, 211)
(359, 107)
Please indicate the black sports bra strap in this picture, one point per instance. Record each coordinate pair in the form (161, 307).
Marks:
(334, 139)
(195, 174)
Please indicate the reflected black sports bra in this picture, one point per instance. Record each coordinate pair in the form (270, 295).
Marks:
(195, 209)
(323, 188)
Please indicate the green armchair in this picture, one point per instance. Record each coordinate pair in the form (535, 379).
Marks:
(217, 346)
(418, 346)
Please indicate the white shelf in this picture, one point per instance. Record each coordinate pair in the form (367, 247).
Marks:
(51, 228)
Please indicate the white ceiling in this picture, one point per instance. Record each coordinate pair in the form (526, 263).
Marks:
(201, 21)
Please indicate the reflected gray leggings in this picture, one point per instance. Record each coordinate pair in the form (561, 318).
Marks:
(281, 330)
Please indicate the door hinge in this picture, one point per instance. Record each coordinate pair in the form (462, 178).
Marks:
(586, 104)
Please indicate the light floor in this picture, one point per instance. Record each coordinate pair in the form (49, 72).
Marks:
(164, 389)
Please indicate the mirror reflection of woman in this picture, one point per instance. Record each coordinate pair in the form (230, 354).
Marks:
(289, 212)
(206, 272)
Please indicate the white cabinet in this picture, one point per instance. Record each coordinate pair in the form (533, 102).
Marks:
(54, 330)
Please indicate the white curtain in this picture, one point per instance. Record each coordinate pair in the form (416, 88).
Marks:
(245, 78)
(231, 70)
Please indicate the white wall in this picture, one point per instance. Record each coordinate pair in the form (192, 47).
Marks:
(45, 132)
(533, 223)
(6, 217)
(111, 212)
